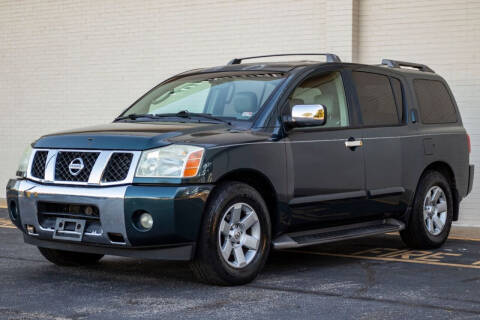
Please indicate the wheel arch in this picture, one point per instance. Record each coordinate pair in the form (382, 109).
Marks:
(259, 182)
(446, 170)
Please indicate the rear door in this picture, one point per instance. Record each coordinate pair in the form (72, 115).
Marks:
(380, 100)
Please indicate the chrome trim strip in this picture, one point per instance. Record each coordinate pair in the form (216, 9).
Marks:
(328, 197)
(330, 140)
(96, 174)
(353, 144)
(99, 167)
(385, 191)
(50, 165)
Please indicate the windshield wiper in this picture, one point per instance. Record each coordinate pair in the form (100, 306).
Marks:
(187, 114)
(181, 114)
(135, 116)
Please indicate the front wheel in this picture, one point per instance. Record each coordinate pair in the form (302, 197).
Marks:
(235, 237)
(432, 213)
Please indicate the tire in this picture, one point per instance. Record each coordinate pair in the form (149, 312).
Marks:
(219, 229)
(417, 234)
(69, 258)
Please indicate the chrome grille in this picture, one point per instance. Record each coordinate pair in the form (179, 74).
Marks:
(117, 167)
(38, 164)
(83, 167)
(64, 159)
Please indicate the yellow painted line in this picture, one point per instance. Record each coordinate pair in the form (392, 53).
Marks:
(444, 264)
(449, 237)
(460, 238)
(6, 223)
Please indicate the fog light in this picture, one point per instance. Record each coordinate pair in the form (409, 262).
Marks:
(88, 210)
(146, 220)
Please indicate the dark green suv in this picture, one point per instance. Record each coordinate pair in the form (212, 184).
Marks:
(220, 165)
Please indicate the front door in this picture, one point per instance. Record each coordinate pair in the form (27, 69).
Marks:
(326, 163)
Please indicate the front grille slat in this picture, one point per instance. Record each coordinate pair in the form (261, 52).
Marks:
(38, 164)
(117, 167)
(64, 160)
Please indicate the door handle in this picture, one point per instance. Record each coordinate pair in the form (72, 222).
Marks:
(353, 143)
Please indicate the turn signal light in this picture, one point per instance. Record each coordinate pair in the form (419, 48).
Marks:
(193, 164)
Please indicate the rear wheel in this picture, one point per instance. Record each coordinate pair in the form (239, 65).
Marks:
(235, 236)
(69, 258)
(432, 213)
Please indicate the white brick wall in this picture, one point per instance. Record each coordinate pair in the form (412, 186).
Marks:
(339, 31)
(443, 34)
(65, 64)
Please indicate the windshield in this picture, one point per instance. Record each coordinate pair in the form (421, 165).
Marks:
(233, 95)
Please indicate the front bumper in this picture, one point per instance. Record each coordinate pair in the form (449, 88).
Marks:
(176, 210)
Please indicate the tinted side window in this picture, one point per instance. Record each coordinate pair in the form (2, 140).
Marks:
(436, 105)
(397, 91)
(377, 102)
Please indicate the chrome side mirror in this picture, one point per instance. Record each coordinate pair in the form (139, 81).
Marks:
(308, 115)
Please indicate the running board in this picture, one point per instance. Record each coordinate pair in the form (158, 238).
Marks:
(332, 234)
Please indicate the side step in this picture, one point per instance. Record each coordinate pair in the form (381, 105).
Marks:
(332, 234)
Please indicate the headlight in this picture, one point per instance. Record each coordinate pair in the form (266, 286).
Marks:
(173, 161)
(23, 166)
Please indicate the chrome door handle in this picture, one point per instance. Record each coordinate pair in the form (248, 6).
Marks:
(353, 143)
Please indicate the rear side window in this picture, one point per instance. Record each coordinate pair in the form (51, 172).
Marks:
(436, 105)
(377, 102)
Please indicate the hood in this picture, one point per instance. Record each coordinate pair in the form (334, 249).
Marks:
(132, 135)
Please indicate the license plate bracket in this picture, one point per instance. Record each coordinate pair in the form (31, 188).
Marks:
(69, 229)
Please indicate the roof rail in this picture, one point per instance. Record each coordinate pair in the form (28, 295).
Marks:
(398, 64)
(330, 57)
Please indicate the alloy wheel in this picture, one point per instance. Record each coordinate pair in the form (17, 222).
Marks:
(239, 235)
(435, 210)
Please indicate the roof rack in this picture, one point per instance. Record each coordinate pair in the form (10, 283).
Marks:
(330, 57)
(398, 64)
